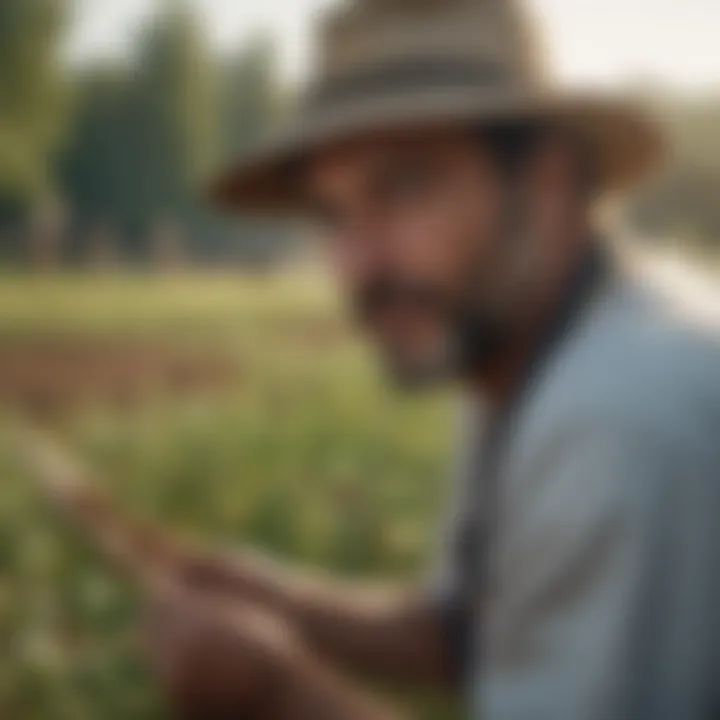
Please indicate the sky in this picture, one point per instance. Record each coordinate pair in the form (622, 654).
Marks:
(606, 42)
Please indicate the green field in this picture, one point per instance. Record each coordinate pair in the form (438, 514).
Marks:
(239, 410)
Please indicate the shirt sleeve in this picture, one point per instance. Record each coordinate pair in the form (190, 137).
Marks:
(607, 590)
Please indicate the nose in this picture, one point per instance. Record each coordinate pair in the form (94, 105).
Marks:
(362, 252)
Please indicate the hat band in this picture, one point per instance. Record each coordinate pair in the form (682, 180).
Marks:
(418, 73)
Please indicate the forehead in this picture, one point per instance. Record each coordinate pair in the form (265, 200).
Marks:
(375, 151)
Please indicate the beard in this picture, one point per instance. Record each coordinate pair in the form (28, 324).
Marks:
(467, 339)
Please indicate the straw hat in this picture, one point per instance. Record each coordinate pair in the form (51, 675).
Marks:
(395, 64)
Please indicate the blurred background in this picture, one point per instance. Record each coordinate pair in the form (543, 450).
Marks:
(201, 364)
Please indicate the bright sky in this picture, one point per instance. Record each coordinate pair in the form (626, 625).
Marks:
(593, 41)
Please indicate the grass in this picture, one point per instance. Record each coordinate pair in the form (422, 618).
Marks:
(302, 451)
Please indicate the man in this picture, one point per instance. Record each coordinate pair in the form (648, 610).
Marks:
(580, 578)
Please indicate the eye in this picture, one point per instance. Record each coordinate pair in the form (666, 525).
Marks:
(410, 182)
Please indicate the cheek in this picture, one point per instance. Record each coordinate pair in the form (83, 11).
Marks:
(438, 238)
(354, 259)
(338, 260)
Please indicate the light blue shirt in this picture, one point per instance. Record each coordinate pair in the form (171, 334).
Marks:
(600, 595)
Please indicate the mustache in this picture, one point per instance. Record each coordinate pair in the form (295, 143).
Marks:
(386, 293)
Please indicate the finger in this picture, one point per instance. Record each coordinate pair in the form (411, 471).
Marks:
(164, 621)
(63, 480)
(133, 547)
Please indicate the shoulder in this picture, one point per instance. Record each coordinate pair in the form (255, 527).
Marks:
(629, 407)
(644, 360)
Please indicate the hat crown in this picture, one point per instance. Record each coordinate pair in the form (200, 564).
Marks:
(371, 34)
(395, 64)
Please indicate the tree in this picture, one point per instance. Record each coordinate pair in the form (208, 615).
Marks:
(100, 163)
(250, 99)
(173, 109)
(33, 97)
(144, 133)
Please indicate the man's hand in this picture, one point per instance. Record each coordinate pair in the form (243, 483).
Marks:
(216, 660)
(383, 632)
(133, 546)
(389, 633)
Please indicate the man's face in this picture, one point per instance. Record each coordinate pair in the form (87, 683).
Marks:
(415, 230)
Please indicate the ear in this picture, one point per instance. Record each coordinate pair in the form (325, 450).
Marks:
(555, 186)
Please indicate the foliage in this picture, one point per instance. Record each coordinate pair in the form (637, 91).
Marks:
(306, 455)
(249, 95)
(147, 136)
(144, 133)
(33, 95)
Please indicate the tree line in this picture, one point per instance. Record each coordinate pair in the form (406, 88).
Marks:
(103, 164)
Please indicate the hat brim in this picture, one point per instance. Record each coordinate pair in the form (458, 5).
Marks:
(624, 144)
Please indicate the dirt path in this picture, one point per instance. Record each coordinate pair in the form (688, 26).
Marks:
(53, 377)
